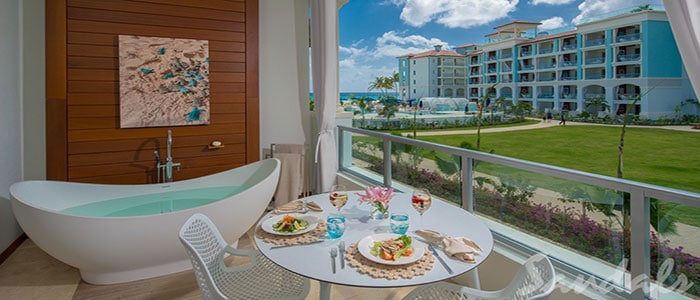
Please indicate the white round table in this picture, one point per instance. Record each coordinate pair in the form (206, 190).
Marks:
(313, 260)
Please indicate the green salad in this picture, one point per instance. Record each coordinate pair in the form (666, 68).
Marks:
(392, 249)
(290, 224)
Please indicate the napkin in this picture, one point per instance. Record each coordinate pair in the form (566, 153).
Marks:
(297, 206)
(290, 207)
(313, 206)
(461, 248)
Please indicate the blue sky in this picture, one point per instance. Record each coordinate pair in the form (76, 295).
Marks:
(373, 33)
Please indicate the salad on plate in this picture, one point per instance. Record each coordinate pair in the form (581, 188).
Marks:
(392, 249)
(290, 224)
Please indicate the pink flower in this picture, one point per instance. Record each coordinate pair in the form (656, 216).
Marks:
(378, 196)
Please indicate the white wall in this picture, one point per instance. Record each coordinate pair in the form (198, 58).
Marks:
(10, 142)
(33, 89)
(284, 73)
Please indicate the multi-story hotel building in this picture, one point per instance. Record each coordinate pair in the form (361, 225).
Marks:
(615, 58)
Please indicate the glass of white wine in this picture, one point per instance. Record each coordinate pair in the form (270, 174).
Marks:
(421, 200)
(338, 196)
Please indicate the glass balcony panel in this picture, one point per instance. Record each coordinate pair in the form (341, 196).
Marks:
(525, 53)
(628, 57)
(506, 55)
(546, 50)
(584, 220)
(628, 37)
(675, 250)
(546, 66)
(567, 47)
(595, 60)
(567, 63)
(594, 42)
(528, 67)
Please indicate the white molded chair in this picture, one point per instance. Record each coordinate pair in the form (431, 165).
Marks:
(259, 279)
(534, 280)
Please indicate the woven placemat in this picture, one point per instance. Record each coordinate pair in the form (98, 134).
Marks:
(311, 236)
(391, 272)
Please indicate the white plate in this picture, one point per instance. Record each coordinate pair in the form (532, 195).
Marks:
(365, 247)
(267, 224)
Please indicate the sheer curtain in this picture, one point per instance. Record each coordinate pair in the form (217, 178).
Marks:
(324, 67)
(684, 16)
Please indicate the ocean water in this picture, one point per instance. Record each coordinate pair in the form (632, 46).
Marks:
(152, 204)
(346, 96)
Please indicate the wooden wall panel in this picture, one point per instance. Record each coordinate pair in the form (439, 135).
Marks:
(82, 80)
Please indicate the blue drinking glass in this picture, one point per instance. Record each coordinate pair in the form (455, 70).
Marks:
(335, 226)
(399, 222)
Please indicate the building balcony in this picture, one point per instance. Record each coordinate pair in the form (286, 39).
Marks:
(506, 69)
(595, 76)
(627, 37)
(568, 77)
(491, 80)
(475, 73)
(628, 75)
(595, 60)
(473, 95)
(475, 62)
(526, 95)
(594, 42)
(491, 58)
(547, 78)
(528, 218)
(567, 47)
(527, 67)
(527, 79)
(628, 57)
(525, 53)
(546, 50)
(567, 96)
(507, 95)
(567, 63)
(545, 96)
(546, 66)
(506, 55)
(506, 80)
(491, 70)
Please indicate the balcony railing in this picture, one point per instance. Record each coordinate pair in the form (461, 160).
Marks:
(518, 200)
(506, 55)
(475, 62)
(491, 70)
(545, 96)
(570, 77)
(490, 58)
(628, 57)
(595, 60)
(567, 63)
(628, 75)
(525, 53)
(546, 66)
(547, 78)
(491, 80)
(627, 37)
(506, 69)
(507, 95)
(595, 76)
(546, 50)
(567, 47)
(594, 42)
(567, 96)
(527, 79)
(528, 67)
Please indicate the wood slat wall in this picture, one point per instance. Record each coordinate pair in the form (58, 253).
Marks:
(85, 143)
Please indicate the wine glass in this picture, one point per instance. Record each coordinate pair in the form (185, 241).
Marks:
(421, 202)
(338, 196)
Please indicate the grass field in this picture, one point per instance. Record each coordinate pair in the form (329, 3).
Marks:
(651, 155)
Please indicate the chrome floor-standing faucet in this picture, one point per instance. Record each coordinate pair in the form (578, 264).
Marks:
(167, 168)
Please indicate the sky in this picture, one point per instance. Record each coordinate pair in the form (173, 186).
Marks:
(372, 33)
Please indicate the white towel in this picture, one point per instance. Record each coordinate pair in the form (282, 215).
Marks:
(289, 186)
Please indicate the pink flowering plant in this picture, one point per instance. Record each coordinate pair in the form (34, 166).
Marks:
(378, 196)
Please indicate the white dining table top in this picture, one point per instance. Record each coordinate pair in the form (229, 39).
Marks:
(313, 261)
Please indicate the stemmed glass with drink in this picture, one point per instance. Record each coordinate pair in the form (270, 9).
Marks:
(338, 196)
(421, 201)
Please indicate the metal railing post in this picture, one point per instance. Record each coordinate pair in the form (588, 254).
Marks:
(387, 163)
(639, 244)
(467, 184)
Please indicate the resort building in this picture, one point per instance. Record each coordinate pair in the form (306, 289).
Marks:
(617, 58)
(435, 73)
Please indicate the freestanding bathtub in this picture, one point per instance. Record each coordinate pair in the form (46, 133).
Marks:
(120, 233)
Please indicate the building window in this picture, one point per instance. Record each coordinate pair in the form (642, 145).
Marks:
(414, 72)
(414, 81)
(414, 62)
(414, 91)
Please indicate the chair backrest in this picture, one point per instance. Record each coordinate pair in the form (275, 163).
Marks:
(204, 244)
(535, 279)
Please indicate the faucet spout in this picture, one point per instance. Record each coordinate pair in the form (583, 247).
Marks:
(170, 144)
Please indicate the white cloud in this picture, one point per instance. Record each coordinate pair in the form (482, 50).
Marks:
(454, 13)
(359, 66)
(551, 2)
(592, 8)
(552, 23)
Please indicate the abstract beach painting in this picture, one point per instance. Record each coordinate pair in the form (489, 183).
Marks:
(163, 81)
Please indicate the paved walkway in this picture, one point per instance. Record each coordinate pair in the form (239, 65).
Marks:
(543, 124)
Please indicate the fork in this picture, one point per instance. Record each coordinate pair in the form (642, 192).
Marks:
(334, 254)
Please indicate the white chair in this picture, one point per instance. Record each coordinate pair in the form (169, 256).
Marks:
(258, 279)
(534, 280)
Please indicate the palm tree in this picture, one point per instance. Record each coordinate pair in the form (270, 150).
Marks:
(598, 104)
(641, 8)
(362, 104)
(480, 112)
(523, 106)
(395, 82)
(382, 84)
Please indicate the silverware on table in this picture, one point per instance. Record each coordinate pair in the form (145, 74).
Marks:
(442, 261)
(334, 254)
(341, 248)
(284, 246)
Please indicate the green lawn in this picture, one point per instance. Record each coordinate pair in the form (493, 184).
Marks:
(657, 156)
(524, 122)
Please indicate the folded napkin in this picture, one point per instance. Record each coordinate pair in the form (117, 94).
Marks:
(297, 206)
(290, 207)
(313, 206)
(461, 248)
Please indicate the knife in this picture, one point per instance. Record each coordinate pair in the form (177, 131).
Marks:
(442, 261)
(283, 246)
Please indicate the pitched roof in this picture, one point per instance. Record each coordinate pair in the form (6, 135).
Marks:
(436, 53)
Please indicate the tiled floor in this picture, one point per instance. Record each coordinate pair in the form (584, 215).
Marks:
(29, 273)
